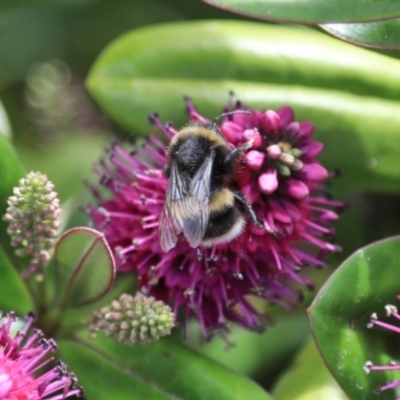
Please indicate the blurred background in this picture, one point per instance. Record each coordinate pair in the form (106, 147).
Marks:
(46, 50)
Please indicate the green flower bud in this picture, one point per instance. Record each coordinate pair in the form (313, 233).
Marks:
(33, 215)
(131, 320)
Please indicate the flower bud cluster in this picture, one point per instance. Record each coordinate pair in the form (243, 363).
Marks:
(33, 215)
(131, 320)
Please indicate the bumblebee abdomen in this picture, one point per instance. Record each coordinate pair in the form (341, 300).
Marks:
(225, 221)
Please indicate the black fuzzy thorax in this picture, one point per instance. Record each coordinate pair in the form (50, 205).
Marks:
(189, 153)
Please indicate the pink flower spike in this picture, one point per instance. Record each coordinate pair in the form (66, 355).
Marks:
(254, 159)
(291, 227)
(268, 181)
(21, 356)
(312, 149)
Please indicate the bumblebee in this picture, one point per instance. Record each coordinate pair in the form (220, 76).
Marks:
(198, 202)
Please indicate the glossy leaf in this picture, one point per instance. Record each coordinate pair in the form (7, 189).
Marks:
(160, 371)
(268, 352)
(364, 284)
(312, 11)
(381, 35)
(308, 379)
(170, 57)
(11, 172)
(85, 268)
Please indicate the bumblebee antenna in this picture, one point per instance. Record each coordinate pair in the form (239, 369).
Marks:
(227, 114)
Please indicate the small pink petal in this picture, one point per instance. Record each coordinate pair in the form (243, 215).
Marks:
(296, 189)
(254, 134)
(274, 151)
(268, 181)
(328, 215)
(250, 192)
(244, 120)
(312, 149)
(292, 129)
(286, 115)
(306, 130)
(313, 172)
(271, 121)
(256, 118)
(243, 176)
(254, 159)
(232, 132)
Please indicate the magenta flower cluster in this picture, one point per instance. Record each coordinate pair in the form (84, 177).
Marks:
(22, 356)
(282, 180)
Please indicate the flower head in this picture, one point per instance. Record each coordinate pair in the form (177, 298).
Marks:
(22, 356)
(391, 311)
(131, 320)
(33, 214)
(281, 179)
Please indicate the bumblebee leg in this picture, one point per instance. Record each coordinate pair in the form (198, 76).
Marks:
(249, 209)
(237, 151)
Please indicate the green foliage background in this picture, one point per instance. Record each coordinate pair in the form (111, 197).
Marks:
(174, 48)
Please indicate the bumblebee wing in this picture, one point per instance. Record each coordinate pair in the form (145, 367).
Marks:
(171, 220)
(196, 203)
(186, 206)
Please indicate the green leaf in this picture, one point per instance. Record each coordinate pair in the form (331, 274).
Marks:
(5, 127)
(85, 268)
(312, 11)
(364, 284)
(308, 379)
(381, 35)
(245, 356)
(175, 57)
(162, 370)
(14, 295)
(11, 172)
